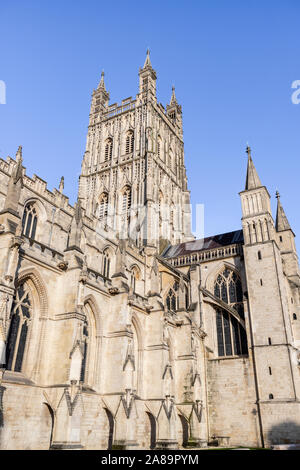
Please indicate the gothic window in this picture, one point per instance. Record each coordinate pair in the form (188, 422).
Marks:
(172, 298)
(134, 276)
(129, 142)
(29, 221)
(231, 335)
(103, 207)
(85, 335)
(172, 161)
(20, 318)
(159, 146)
(126, 201)
(106, 263)
(108, 149)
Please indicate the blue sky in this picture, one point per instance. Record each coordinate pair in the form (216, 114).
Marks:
(232, 64)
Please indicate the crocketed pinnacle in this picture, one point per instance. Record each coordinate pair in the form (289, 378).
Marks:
(282, 222)
(252, 179)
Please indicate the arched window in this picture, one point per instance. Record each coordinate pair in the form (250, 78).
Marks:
(159, 147)
(103, 207)
(85, 340)
(129, 142)
(172, 298)
(231, 335)
(21, 314)
(106, 263)
(29, 221)
(89, 347)
(108, 149)
(134, 276)
(126, 201)
(172, 161)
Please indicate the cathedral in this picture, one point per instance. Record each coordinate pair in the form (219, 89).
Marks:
(120, 330)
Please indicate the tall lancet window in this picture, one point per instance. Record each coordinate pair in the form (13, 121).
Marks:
(20, 317)
(29, 221)
(159, 147)
(134, 277)
(103, 207)
(108, 149)
(172, 298)
(231, 335)
(126, 202)
(106, 263)
(129, 142)
(85, 340)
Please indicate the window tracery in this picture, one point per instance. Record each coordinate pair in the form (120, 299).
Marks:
(231, 335)
(20, 318)
(29, 221)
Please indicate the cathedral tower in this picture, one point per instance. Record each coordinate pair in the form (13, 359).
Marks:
(269, 313)
(133, 178)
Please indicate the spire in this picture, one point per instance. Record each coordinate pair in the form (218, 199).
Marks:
(282, 222)
(147, 61)
(19, 154)
(78, 212)
(173, 97)
(252, 179)
(61, 184)
(17, 172)
(101, 83)
(74, 240)
(15, 184)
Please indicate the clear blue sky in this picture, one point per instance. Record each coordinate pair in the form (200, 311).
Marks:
(232, 63)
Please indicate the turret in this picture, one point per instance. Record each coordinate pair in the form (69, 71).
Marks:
(15, 185)
(286, 242)
(147, 74)
(268, 313)
(174, 112)
(100, 100)
(258, 224)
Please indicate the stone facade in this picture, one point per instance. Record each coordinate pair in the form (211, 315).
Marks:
(117, 328)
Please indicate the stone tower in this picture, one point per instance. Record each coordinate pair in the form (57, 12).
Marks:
(269, 313)
(133, 174)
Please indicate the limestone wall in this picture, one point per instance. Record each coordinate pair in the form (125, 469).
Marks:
(231, 401)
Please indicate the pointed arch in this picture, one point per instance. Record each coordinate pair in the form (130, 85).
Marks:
(138, 345)
(90, 299)
(106, 263)
(26, 332)
(91, 342)
(33, 274)
(34, 217)
(108, 149)
(231, 334)
(129, 143)
(102, 207)
(210, 280)
(135, 276)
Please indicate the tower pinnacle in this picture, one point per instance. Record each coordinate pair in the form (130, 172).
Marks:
(147, 61)
(101, 83)
(282, 222)
(173, 97)
(252, 179)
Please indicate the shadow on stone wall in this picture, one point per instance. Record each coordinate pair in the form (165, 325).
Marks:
(287, 432)
(1, 406)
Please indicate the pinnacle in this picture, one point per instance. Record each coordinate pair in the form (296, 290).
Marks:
(173, 97)
(252, 179)
(282, 222)
(147, 61)
(102, 84)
